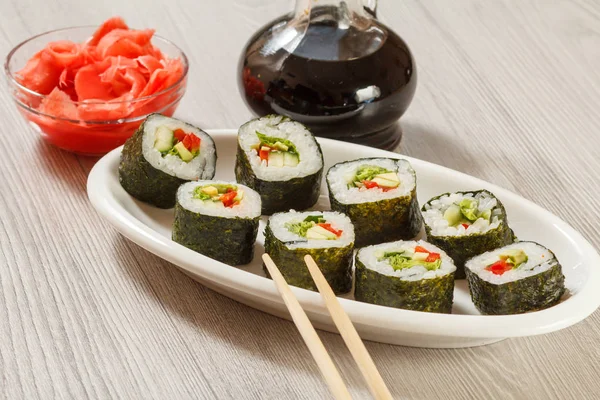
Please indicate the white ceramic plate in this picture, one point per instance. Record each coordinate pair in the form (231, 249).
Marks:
(151, 228)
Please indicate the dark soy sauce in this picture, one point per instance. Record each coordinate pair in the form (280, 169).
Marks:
(343, 83)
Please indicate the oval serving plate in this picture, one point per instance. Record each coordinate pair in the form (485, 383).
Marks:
(150, 228)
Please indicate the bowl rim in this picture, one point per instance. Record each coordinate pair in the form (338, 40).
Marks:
(11, 78)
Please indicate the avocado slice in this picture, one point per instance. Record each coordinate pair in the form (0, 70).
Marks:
(281, 146)
(387, 180)
(514, 256)
(184, 153)
(210, 190)
(420, 256)
(318, 232)
(453, 215)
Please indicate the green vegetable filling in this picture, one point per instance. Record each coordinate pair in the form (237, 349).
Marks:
(214, 191)
(465, 212)
(368, 172)
(277, 143)
(166, 142)
(310, 228)
(404, 259)
(373, 176)
(515, 257)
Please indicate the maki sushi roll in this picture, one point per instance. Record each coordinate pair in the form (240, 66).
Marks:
(164, 153)
(281, 160)
(327, 236)
(405, 274)
(380, 197)
(466, 224)
(218, 219)
(521, 277)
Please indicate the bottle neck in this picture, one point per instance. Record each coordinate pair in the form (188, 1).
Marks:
(344, 12)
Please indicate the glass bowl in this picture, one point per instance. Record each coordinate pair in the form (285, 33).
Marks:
(89, 136)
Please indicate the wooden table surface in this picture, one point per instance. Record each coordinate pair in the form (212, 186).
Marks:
(508, 91)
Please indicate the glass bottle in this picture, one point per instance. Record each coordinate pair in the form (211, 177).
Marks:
(333, 66)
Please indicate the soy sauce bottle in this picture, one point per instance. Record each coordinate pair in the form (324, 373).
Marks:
(334, 67)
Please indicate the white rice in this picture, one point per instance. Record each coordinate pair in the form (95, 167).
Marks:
(433, 215)
(342, 174)
(540, 259)
(369, 257)
(280, 127)
(201, 167)
(249, 206)
(338, 221)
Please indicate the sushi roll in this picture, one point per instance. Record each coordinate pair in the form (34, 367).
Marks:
(380, 197)
(466, 224)
(405, 274)
(281, 160)
(218, 219)
(327, 236)
(520, 277)
(163, 154)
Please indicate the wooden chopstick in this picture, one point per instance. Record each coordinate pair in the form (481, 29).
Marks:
(314, 344)
(353, 342)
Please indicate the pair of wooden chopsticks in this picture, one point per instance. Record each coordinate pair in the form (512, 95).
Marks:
(342, 321)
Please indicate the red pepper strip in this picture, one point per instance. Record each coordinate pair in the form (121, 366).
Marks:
(419, 249)
(465, 225)
(196, 143)
(432, 257)
(187, 142)
(336, 232)
(370, 184)
(179, 134)
(227, 198)
(499, 267)
(264, 155)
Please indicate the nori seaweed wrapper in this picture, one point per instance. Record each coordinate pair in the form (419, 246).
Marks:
(334, 262)
(229, 240)
(430, 295)
(382, 221)
(462, 248)
(292, 194)
(141, 180)
(532, 293)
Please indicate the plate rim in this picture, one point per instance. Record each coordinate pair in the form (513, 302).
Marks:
(573, 310)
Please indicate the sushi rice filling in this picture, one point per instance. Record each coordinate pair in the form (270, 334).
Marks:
(221, 194)
(373, 176)
(159, 141)
(513, 262)
(302, 157)
(190, 196)
(407, 260)
(375, 179)
(460, 214)
(176, 142)
(314, 227)
(276, 152)
(510, 259)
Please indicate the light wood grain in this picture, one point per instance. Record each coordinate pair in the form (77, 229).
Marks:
(508, 91)
(347, 331)
(308, 333)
